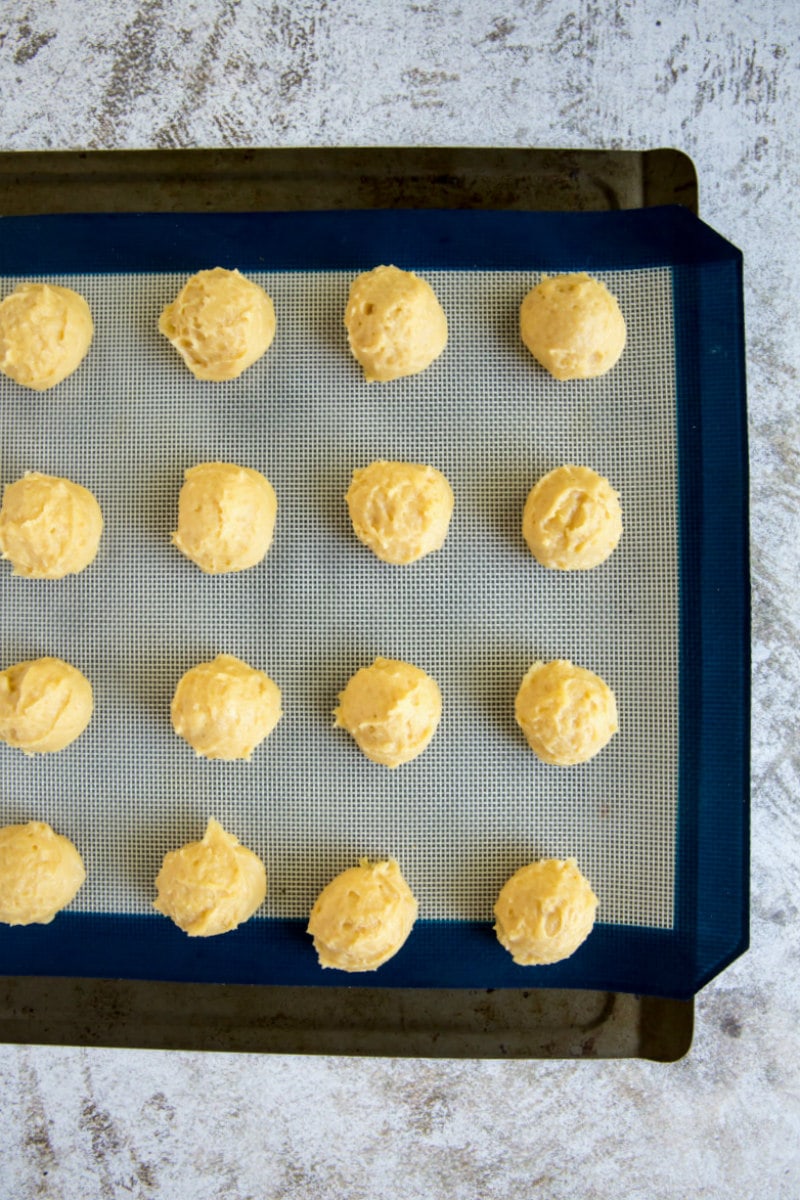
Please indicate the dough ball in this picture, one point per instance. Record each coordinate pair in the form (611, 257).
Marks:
(45, 334)
(211, 886)
(544, 912)
(567, 713)
(363, 917)
(573, 326)
(220, 323)
(395, 324)
(392, 710)
(225, 708)
(226, 517)
(44, 705)
(40, 873)
(572, 519)
(49, 527)
(400, 510)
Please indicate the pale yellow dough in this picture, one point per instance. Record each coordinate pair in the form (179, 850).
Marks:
(395, 324)
(392, 709)
(40, 873)
(45, 704)
(211, 886)
(572, 519)
(226, 517)
(568, 714)
(573, 326)
(363, 917)
(400, 510)
(45, 334)
(49, 527)
(545, 912)
(224, 708)
(220, 323)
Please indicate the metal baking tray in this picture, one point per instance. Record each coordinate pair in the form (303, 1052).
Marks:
(458, 1023)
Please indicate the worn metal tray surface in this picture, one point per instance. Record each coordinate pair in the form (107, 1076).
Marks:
(658, 934)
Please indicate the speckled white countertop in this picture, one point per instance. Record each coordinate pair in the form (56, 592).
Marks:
(720, 80)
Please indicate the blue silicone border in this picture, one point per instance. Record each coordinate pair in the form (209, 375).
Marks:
(712, 891)
(111, 242)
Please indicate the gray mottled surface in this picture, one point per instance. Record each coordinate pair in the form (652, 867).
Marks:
(719, 80)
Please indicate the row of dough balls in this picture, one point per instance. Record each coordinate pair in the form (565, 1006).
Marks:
(225, 708)
(51, 527)
(221, 323)
(544, 912)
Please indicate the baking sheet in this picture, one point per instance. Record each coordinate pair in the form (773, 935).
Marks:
(478, 804)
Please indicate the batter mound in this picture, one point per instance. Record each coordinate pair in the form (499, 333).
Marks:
(395, 325)
(211, 886)
(224, 708)
(572, 519)
(545, 912)
(220, 323)
(45, 334)
(226, 517)
(363, 917)
(49, 527)
(400, 510)
(573, 326)
(40, 873)
(392, 709)
(45, 704)
(567, 713)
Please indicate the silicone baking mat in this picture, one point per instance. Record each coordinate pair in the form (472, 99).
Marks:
(478, 804)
